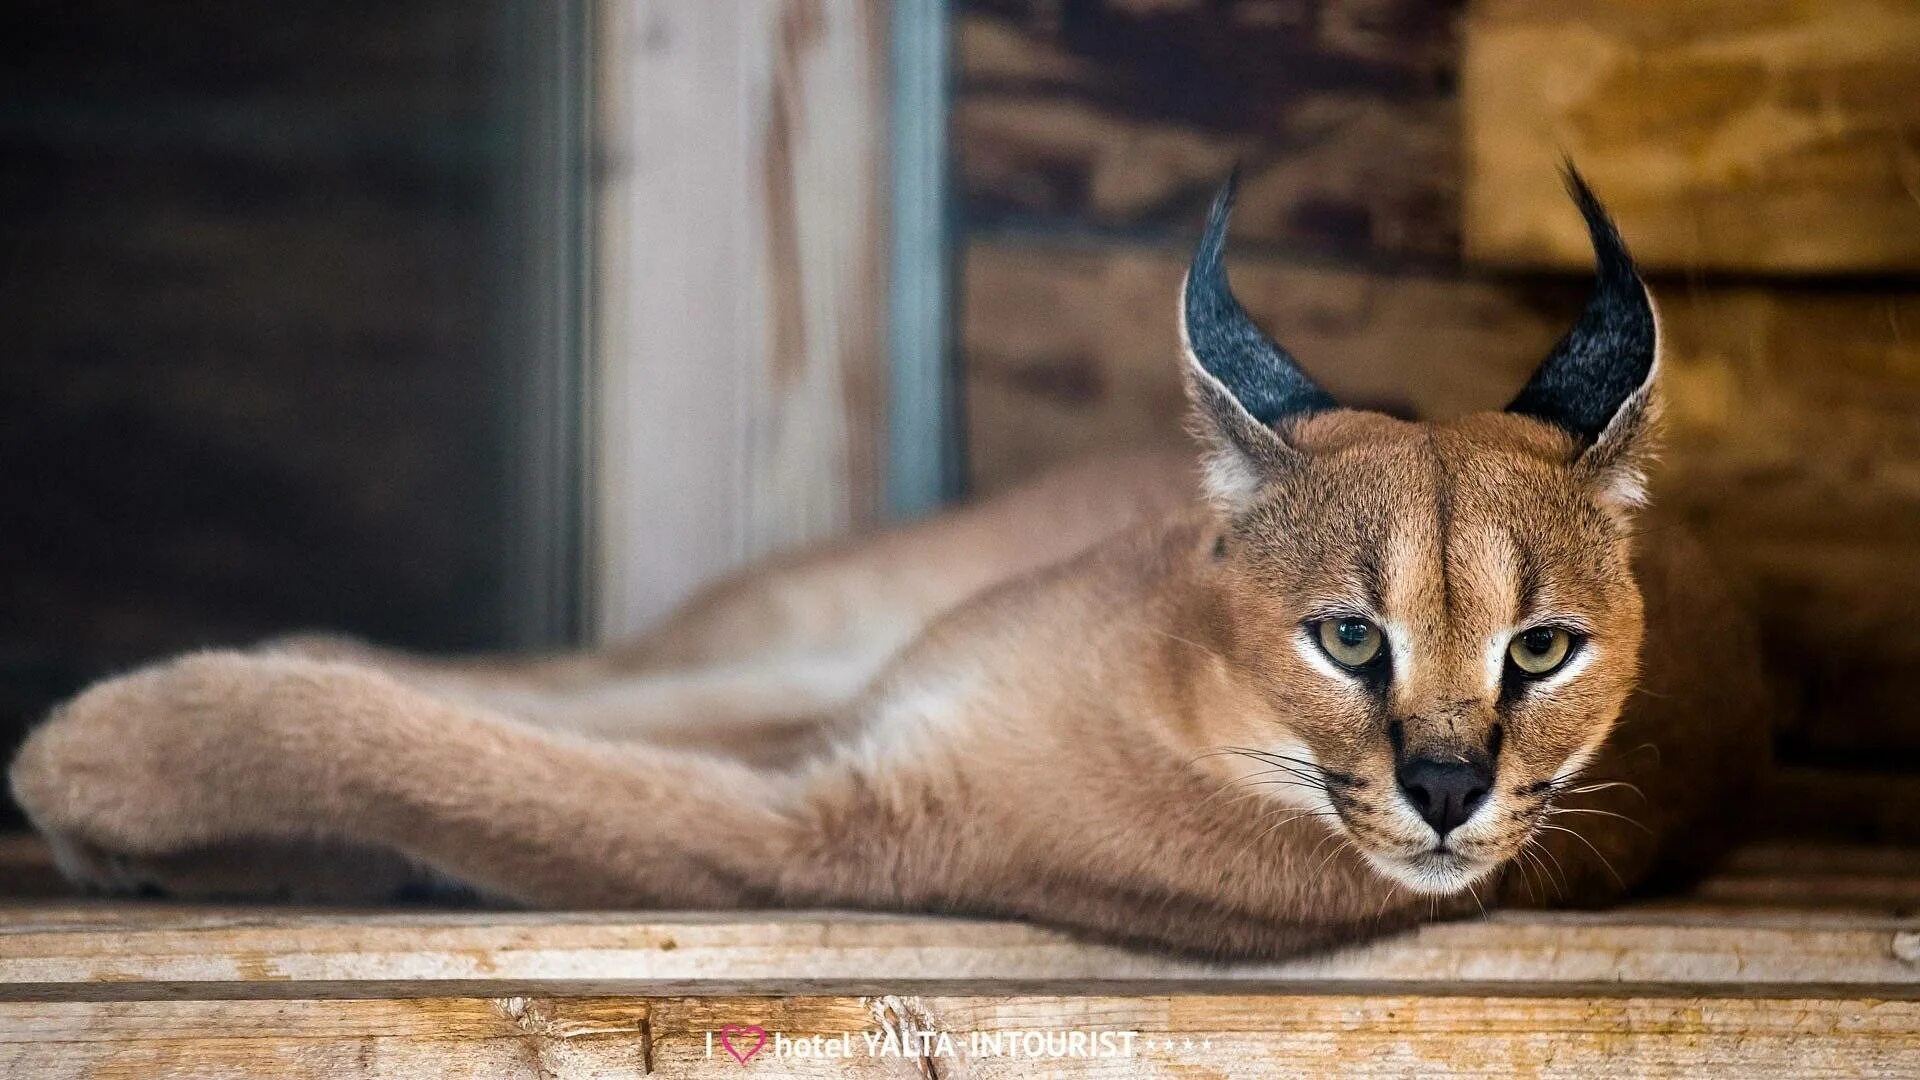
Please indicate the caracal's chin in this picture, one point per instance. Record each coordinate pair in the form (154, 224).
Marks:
(1432, 873)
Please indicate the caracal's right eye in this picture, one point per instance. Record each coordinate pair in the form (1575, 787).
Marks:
(1541, 651)
(1351, 643)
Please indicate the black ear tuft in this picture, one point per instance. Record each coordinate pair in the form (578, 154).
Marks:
(1609, 354)
(1260, 375)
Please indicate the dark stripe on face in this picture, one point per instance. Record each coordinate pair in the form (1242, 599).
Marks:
(1529, 578)
(1529, 575)
(1372, 575)
(1443, 519)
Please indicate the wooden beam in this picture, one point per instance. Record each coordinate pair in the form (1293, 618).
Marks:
(1752, 929)
(75, 953)
(558, 1038)
(739, 260)
(1771, 136)
(1790, 959)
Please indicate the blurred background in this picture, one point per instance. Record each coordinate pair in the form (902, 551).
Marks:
(272, 281)
(502, 324)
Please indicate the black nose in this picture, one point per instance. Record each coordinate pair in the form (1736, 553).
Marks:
(1446, 793)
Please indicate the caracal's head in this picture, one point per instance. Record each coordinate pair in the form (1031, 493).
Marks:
(1441, 618)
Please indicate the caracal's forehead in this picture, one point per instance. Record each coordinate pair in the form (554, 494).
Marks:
(1445, 530)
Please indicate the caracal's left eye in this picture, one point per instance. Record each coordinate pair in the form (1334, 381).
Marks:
(1540, 651)
(1352, 643)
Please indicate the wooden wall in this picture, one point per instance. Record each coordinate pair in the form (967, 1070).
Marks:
(1089, 137)
(1122, 117)
(739, 249)
(1376, 240)
(1766, 136)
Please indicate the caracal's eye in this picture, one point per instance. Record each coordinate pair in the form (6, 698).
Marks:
(1352, 643)
(1540, 651)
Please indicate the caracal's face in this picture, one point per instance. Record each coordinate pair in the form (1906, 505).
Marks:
(1441, 619)
(1445, 625)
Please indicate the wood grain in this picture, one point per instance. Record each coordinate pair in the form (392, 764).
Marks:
(1735, 944)
(955, 1037)
(1794, 422)
(1777, 917)
(1124, 116)
(1791, 959)
(1072, 349)
(739, 268)
(1779, 136)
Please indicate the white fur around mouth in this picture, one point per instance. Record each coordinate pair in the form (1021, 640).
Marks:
(1432, 873)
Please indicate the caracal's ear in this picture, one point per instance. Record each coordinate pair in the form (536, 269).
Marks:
(1598, 383)
(1245, 389)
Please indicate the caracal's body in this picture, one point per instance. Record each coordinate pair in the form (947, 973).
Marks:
(1262, 706)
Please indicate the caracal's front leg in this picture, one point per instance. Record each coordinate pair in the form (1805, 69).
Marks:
(216, 750)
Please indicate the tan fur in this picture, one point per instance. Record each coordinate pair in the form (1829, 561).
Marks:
(1029, 708)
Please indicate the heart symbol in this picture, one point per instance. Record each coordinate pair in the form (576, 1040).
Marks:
(759, 1040)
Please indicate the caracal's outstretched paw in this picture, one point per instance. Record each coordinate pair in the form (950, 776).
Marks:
(159, 761)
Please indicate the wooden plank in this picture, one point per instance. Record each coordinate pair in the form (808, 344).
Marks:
(1118, 115)
(739, 272)
(1770, 136)
(1798, 859)
(479, 1039)
(1728, 985)
(962, 1037)
(1794, 422)
(127, 952)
